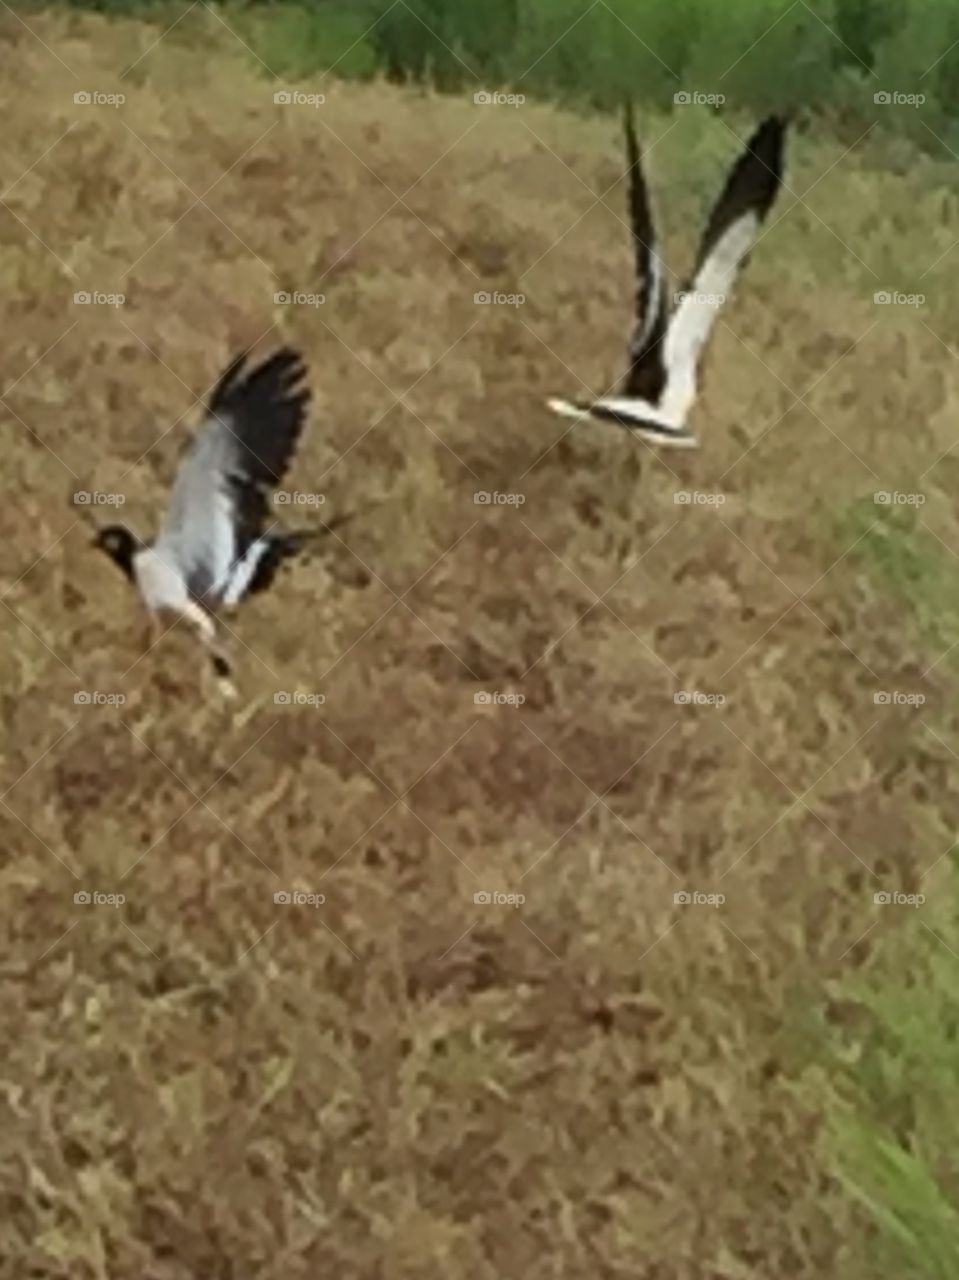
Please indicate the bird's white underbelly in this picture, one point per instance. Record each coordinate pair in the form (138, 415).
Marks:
(161, 583)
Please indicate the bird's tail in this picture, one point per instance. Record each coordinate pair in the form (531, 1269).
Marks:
(296, 539)
(568, 408)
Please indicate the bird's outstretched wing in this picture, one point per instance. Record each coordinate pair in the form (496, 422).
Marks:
(257, 569)
(730, 234)
(646, 377)
(220, 499)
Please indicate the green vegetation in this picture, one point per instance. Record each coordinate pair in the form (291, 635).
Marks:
(907, 561)
(760, 54)
(892, 1086)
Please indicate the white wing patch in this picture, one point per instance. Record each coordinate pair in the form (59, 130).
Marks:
(694, 317)
(241, 574)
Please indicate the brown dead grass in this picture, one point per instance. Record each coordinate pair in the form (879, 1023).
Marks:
(402, 1083)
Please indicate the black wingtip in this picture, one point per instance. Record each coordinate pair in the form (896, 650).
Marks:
(264, 408)
(767, 143)
(228, 380)
(755, 178)
(285, 369)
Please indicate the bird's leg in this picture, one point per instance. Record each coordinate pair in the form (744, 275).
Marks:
(206, 629)
(223, 671)
(151, 631)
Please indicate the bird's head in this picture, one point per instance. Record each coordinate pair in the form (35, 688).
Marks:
(119, 544)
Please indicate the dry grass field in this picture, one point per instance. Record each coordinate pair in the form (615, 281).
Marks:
(403, 1082)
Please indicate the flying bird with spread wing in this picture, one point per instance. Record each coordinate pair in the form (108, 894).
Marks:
(217, 544)
(666, 347)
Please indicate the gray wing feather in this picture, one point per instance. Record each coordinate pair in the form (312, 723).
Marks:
(198, 534)
(220, 498)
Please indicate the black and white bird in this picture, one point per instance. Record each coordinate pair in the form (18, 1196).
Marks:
(665, 348)
(217, 543)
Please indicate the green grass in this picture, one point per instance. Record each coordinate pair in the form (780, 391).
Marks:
(904, 558)
(918, 1223)
(890, 1084)
(759, 54)
(891, 1089)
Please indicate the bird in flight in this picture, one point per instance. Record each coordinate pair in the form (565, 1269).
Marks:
(666, 346)
(217, 543)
